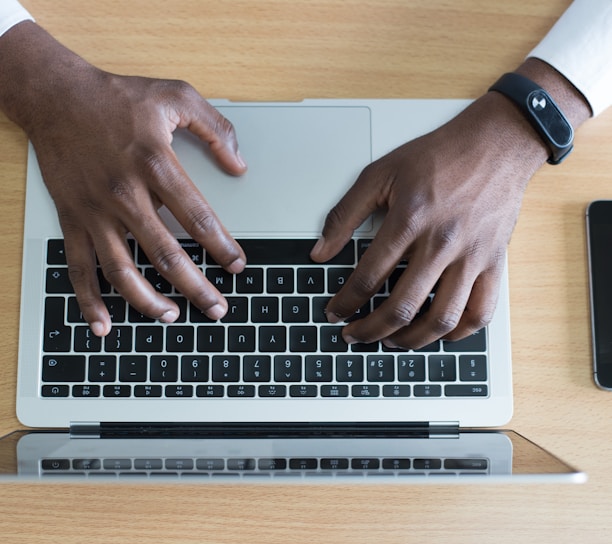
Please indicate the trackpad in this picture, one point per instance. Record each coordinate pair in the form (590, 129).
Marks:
(301, 160)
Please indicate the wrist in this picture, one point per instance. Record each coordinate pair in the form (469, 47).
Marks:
(36, 75)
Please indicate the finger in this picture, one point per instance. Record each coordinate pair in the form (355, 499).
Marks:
(401, 307)
(170, 260)
(197, 115)
(359, 202)
(81, 260)
(175, 189)
(444, 314)
(481, 305)
(389, 247)
(117, 263)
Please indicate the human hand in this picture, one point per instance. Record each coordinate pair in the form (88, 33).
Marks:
(452, 199)
(103, 145)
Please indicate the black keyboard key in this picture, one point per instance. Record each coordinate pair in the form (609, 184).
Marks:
(334, 391)
(225, 369)
(427, 391)
(411, 368)
(337, 278)
(296, 309)
(152, 391)
(237, 310)
(396, 391)
(149, 338)
(63, 368)
(250, 280)
(119, 339)
(427, 464)
(164, 368)
(365, 463)
(466, 464)
(86, 391)
(442, 368)
(179, 339)
(473, 343)
(288, 252)
(134, 316)
(310, 280)
(319, 305)
(133, 368)
(331, 339)
(240, 390)
(86, 341)
(179, 391)
(381, 368)
(280, 280)
(400, 463)
(287, 368)
(303, 464)
(272, 464)
(222, 281)
(264, 310)
(241, 339)
(365, 391)
(272, 339)
(210, 390)
(318, 368)
(57, 281)
(335, 463)
(349, 368)
(430, 348)
(57, 391)
(74, 311)
(57, 336)
(472, 368)
(56, 255)
(117, 391)
(466, 390)
(193, 249)
(302, 339)
(116, 308)
(272, 391)
(194, 368)
(365, 348)
(158, 282)
(256, 368)
(303, 391)
(211, 338)
(102, 368)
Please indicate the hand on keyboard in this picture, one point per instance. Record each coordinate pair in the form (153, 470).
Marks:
(452, 199)
(103, 144)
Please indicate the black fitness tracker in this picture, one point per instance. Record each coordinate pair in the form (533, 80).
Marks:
(541, 111)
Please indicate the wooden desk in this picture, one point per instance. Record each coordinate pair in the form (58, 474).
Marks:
(288, 50)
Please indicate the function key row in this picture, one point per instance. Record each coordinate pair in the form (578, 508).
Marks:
(264, 391)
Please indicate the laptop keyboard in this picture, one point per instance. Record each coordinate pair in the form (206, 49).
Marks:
(274, 342)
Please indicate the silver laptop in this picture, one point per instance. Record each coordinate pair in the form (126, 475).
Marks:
(273, 362)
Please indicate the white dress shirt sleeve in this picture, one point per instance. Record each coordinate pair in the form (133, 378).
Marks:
(11, 13)
(580, 47)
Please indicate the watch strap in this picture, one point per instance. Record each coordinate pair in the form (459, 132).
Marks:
(541, 111)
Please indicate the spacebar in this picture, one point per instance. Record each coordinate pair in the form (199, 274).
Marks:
(288, 252)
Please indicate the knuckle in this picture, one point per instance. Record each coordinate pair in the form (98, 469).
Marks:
(79, 276)
(118, 273)
(446, 322)
(447, 236)
(402, 313)
(363, 285)
(201, 221)
(168, 260)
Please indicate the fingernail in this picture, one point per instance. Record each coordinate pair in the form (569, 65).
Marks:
(216, 312)
(237, 266)
(333, 318)
(240, 159)
(170, 316)
(318, 247)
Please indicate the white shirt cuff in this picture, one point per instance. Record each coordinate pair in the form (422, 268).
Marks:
(579, 46)
(11, 13)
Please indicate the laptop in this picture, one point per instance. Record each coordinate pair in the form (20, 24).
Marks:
(272, 374)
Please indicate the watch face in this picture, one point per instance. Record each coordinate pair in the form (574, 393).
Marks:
(556, 128)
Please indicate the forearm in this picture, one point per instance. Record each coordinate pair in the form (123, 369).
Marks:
(33, 75)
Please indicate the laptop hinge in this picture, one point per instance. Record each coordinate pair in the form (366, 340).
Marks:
(85, 430)
(265, 430)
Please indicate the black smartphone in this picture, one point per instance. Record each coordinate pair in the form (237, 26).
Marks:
(599, 245)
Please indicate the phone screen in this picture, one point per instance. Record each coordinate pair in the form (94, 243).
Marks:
(599, 238)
